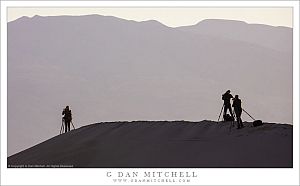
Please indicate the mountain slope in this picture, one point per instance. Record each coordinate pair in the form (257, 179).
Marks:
(163, 144)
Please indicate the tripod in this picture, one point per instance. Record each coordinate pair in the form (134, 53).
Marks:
(221, 112)
(62, 125)
(233, 115)
(232, 122)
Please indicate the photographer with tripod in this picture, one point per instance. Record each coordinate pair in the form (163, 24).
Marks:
(227, 106)
(67, 118)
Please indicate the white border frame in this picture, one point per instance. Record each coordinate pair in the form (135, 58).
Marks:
(97, 176)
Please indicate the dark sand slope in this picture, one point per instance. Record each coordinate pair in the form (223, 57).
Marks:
(165, 144)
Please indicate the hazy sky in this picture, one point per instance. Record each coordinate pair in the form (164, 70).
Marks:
(169, 85)
(172, 17)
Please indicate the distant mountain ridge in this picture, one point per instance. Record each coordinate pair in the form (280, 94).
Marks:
(233, 29)
(278, 38)
(110, 69)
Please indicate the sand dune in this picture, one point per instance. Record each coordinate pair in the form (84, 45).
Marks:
(163, 144)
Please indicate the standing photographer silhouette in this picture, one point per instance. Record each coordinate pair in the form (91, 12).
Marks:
(67, 118)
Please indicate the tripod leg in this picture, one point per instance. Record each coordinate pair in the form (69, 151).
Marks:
(221, 112)
(248, 114)
(233, 114)
(72, 125)
(62, 126)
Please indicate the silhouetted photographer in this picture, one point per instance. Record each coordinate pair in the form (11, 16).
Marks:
(227, 106)
(67, 118)
(237, 105)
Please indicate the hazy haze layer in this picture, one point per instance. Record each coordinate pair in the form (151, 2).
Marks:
(109, 69)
